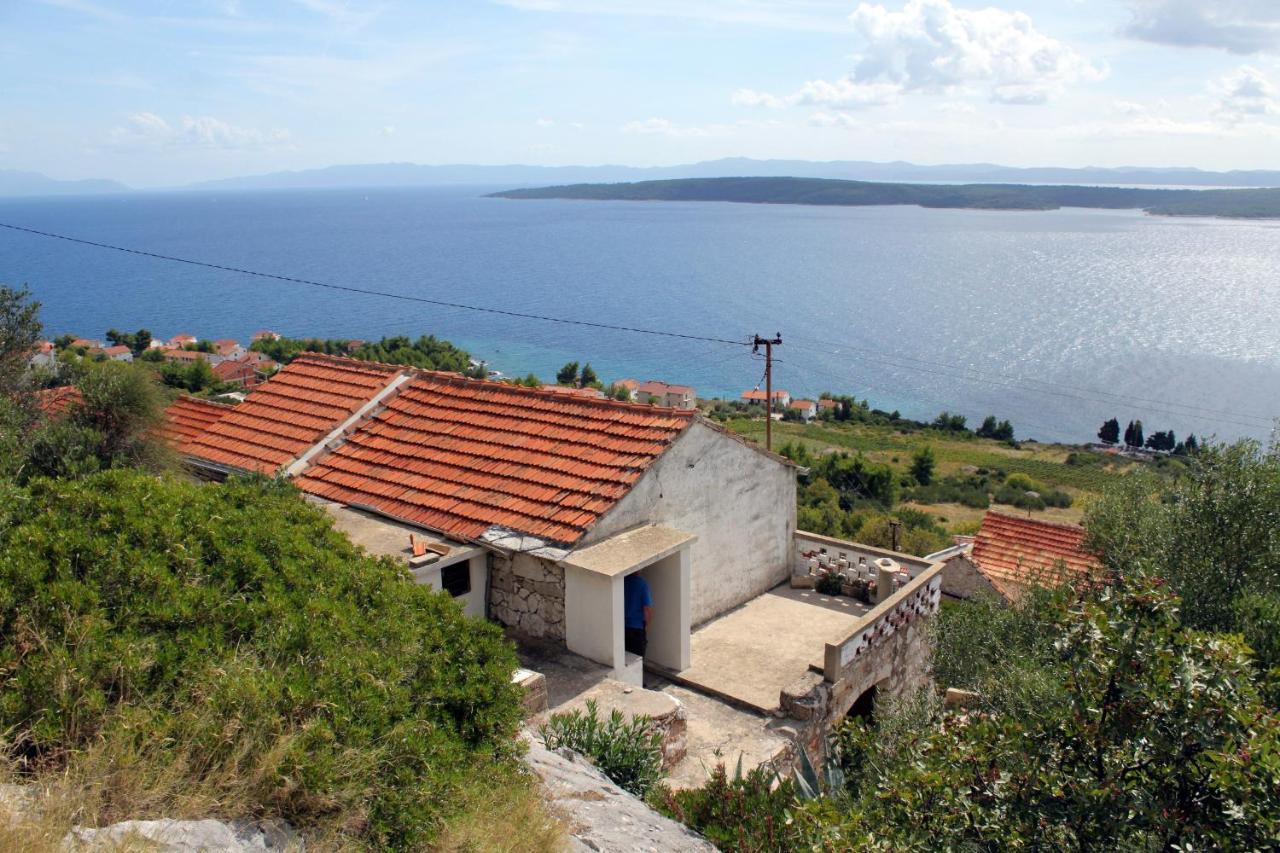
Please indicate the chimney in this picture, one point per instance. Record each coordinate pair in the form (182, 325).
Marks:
(886, 569)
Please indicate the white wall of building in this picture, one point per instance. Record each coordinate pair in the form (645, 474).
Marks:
(739, 502)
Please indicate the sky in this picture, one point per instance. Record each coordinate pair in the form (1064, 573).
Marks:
(165, 92)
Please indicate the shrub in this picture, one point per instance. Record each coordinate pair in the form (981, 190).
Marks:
(226, 635)
(746, 813)
(627, 751)
(828, 583)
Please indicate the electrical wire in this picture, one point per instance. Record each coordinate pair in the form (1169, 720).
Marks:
(369, 292)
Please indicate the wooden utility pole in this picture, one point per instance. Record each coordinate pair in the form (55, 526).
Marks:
(768, 344)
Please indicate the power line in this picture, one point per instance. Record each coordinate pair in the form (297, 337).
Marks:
(369, 292)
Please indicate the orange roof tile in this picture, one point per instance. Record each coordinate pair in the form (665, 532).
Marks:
(301, 404)
(56, 401)
(1014, 552)
(460, 455)
(187, 417)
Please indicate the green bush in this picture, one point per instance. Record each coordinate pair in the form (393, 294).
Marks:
(828, 583)
(746, 813)
(627, 751)
(231, 629)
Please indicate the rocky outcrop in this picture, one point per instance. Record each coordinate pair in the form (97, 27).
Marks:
(186, 836)
(600, 816)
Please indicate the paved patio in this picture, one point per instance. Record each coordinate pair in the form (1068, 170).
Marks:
(750, 654)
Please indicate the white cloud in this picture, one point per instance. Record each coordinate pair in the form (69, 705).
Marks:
(388, 130)
(148, 130)
(933, 47)
(752, 98)
(662, 127)
(1238, 26)
(546, 122)
(1245, 94)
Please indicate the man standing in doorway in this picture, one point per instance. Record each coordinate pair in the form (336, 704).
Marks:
(638, 609)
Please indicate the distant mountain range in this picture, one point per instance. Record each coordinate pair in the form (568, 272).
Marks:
(15, 183)
(410, 175)
(374, 175)
(1236, 203)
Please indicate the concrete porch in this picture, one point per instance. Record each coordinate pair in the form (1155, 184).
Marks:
(750, 654)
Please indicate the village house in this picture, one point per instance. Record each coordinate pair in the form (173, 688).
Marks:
(229, 349)
(44, 355)
(264, 335)
(85, 344)
(827, 405)
(185, 356)
(781, 399)
(1010, 554)
(532, 507)
(806, 409)
(240, 372)
(120, 352)
(180, 341)
(628, 385)
(658, 393)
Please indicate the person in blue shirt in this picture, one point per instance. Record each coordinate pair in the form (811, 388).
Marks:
(637, 606)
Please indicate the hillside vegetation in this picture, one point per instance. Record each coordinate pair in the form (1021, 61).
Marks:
(228, 635)
(1242, 203)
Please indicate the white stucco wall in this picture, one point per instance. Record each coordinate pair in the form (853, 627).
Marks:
(739, 502)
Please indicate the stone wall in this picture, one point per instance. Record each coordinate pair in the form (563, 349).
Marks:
(526, 594)
(961, 578)
(889, 651)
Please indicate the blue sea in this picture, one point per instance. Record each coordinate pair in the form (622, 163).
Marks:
(1054, 320)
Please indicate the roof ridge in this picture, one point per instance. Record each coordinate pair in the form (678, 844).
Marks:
(559, 396)
(1062, 525)
(348, 361)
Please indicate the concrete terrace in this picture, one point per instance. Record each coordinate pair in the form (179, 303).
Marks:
(748, 655)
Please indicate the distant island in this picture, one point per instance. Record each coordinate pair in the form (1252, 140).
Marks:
(1233, 203)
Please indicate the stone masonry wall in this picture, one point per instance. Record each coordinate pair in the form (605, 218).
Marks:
(892, 655)
(527, 594)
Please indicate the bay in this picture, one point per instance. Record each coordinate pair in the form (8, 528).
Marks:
(1054, 320)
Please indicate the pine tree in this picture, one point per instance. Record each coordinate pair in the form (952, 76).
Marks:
(567, 375)
(1110, 432)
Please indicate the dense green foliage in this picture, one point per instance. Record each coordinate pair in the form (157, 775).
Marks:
(20, 329)
(138, 342)
(232, 623)
(427, 352)
(1246, 203)
(112, 426)
(629, 752)
(1142, 717)
(746, 812)
(1213, 534)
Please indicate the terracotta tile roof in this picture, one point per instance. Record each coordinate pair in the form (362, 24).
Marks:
(589, 393)
(234, 369)
(657, 388)
(827, 403)
(56, 401)
(302, 404)
(802, 404)
(187, 417)
(174, 354)
(762, 396)
(119, 349)
(1014, 552)
(460, 455)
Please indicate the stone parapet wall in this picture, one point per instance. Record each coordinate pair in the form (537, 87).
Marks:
(805, 542)
(888, 650)
(526, 594)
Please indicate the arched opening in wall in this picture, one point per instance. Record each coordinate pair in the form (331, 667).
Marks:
(864, 707)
